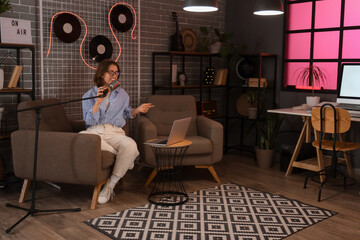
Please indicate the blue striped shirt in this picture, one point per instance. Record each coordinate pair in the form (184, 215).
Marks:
(116, 114)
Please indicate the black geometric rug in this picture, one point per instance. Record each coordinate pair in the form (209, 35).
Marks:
(228, 211)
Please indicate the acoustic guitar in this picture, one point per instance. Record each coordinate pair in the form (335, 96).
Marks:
(176, 43)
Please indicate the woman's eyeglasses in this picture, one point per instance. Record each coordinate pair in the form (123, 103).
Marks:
(112, 73)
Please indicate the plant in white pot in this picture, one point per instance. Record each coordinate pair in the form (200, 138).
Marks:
(313, 76)
(252, 98)
(268, 131)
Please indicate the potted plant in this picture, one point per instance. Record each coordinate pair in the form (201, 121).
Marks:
(214, 41)
(312, 76)
(252, 108)
(5, 6)
(268, 131)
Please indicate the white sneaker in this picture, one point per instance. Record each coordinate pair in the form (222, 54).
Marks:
(106, 194)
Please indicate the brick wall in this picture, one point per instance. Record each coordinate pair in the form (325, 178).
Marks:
(66, 76)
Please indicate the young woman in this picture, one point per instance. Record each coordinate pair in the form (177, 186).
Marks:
(105, 116)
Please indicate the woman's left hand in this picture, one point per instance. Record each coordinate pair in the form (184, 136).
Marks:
(144, 108)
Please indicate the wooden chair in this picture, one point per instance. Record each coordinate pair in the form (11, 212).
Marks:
(330, 120)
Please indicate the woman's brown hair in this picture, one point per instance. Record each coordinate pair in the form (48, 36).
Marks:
(103, 67)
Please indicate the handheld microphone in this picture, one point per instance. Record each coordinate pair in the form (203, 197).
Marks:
(114, 84)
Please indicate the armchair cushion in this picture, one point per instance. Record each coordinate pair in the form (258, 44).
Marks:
(62, 157)
(52, 118)
(168, 109)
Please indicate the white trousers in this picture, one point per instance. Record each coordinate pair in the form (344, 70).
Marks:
(113, 139)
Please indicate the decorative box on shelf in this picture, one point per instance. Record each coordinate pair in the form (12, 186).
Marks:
(207, 108)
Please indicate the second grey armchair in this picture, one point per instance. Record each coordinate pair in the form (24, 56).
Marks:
(206, 134)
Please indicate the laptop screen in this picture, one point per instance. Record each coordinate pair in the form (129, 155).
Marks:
(349, 91)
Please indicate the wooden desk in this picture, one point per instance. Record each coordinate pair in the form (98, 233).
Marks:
(312, 164)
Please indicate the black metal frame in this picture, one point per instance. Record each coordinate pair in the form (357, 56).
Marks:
(169, 189)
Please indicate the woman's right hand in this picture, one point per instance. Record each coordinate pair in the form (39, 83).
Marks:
(100, 92)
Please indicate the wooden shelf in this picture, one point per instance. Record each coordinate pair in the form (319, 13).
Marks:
(15, 90)
(204, 54)
(15, 45)
(189, 86)
(4, 137)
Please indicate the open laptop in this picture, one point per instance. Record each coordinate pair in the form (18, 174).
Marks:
(177, 133)
(349, 89)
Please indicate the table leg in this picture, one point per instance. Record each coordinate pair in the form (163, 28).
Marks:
(299, 143)
(347, 159)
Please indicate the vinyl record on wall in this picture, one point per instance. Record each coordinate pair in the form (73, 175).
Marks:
(67, 27)
(121, 18)
(100, 48)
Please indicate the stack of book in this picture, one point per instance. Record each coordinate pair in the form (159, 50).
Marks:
(254, 82)
(15, 76)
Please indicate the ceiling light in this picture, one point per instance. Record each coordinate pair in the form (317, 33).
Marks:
(201, 5)
(269, 7)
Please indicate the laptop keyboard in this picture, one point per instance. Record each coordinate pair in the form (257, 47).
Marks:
(350, 107)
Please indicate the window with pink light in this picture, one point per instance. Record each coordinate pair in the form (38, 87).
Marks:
(351, 48)
(326, 45)
(298, 46)
(351, 17)
(315, 36)
(327, 14)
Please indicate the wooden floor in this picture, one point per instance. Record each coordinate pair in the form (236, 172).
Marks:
(236, 167)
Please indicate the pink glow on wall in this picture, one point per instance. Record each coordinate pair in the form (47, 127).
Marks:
(326, 45)
(298, 46)
(351, 48)
(299, 16)
(292, 70)
(327, 14)
(352, 13)
(330, 70)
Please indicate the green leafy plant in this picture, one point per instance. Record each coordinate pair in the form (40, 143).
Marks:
(268, 130)
(311, 75)
(213, 35)
(5, 6)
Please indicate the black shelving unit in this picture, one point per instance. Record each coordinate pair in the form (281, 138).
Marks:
(263, 70)
(204, 92)
(19, 91)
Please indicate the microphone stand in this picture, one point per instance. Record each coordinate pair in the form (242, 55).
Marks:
(32, 210)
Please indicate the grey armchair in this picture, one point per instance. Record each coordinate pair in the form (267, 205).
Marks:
(64, 155)
(206, 134)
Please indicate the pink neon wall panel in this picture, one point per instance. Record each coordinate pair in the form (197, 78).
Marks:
(298, 46)
(352, 13)
(327, 13)
(351, 47)
(292, 70)
(326, 45)
(299, 16)
(330, 70)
